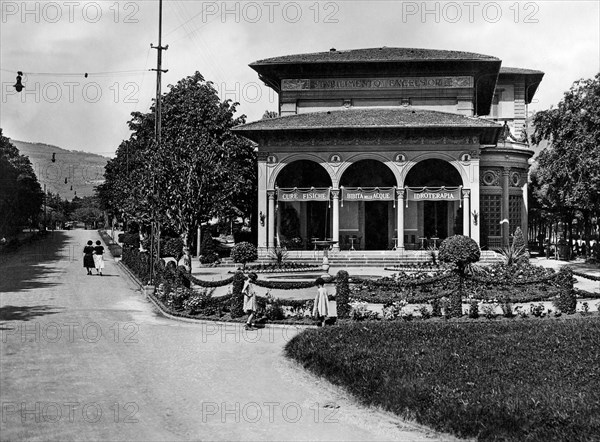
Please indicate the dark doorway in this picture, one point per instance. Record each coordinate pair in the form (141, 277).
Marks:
(436, 217)
(376, 225)
(365, 174)
(318, 220)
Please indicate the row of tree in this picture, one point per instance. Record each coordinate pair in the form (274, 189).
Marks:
(21, 195)
(565, 182)
(85, 210)
(198, 171)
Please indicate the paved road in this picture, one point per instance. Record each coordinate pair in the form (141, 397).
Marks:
(88, 358)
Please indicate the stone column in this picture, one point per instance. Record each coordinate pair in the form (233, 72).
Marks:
(400, 193)
(504, 209)
(336, 218)
(525, 214)
(466, 195)
(475, 201)
(262, 200)
(271, 222)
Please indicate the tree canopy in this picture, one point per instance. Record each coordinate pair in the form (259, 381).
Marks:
(566, 179)
(568, 170)
(199, 171)
(21, 195)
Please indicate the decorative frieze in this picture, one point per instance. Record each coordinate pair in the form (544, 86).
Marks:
(341, 139)
(433, 82)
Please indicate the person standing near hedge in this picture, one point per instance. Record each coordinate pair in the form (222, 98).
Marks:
(321, 304)
(88, 257)
(250, 305)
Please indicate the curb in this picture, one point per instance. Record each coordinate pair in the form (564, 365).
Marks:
(201, 321)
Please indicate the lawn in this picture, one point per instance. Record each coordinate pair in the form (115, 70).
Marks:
(509, 380)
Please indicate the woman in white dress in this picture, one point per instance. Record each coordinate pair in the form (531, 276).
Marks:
(99, 257)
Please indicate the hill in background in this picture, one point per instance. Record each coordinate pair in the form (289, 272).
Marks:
(82, 170)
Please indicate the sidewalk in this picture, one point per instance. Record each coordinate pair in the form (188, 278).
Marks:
(577, 265)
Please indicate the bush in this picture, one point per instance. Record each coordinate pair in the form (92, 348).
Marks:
(436, 308)
(177, 298)
(342, 294)
(237, 300)
(200, 302)
(566, 301)
(279, 255)
(519, 244)
(207, 249)
(459, 250)
(243, 253)
(474, 309)
(274, 309)
(130, 239)
(172, 247)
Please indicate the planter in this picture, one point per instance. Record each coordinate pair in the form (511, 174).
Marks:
(149, 290)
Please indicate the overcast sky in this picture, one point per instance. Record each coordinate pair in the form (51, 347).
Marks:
(56, 43)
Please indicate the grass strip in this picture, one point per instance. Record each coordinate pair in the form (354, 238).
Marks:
(494, 381)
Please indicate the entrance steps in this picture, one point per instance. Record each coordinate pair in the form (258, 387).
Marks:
(371, 258)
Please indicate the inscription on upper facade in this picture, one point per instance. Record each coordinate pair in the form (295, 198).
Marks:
(288, 84)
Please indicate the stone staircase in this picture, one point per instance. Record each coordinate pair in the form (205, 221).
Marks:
(370, 258)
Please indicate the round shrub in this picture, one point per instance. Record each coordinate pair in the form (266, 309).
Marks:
(243, 253)
(460, 250)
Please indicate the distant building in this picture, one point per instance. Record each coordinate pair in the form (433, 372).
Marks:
(383, 148)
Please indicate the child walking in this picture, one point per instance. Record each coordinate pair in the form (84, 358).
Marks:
(249, 300)
(321, 306)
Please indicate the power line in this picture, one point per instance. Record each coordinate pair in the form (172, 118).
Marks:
(80, 74)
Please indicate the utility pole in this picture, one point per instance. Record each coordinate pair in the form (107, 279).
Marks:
(155, 231)
(45, 205)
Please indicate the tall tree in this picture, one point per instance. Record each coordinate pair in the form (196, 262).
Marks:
(568, 171)
(21, 195)
(199, 171)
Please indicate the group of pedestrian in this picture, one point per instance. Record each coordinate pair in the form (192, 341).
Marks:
(93, 257)
(322, 308)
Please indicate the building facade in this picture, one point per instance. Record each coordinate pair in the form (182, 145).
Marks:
(392, 148)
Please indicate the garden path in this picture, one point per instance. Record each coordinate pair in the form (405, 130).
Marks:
(89, 358)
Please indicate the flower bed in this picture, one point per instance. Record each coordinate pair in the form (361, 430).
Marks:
(486, 380)
(201, 304)
(288, 266)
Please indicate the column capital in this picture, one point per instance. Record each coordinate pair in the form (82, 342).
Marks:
(271, 194)
(262, 156)
(505, 170)
(400, 193)
(335, 193)
(466, 193)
